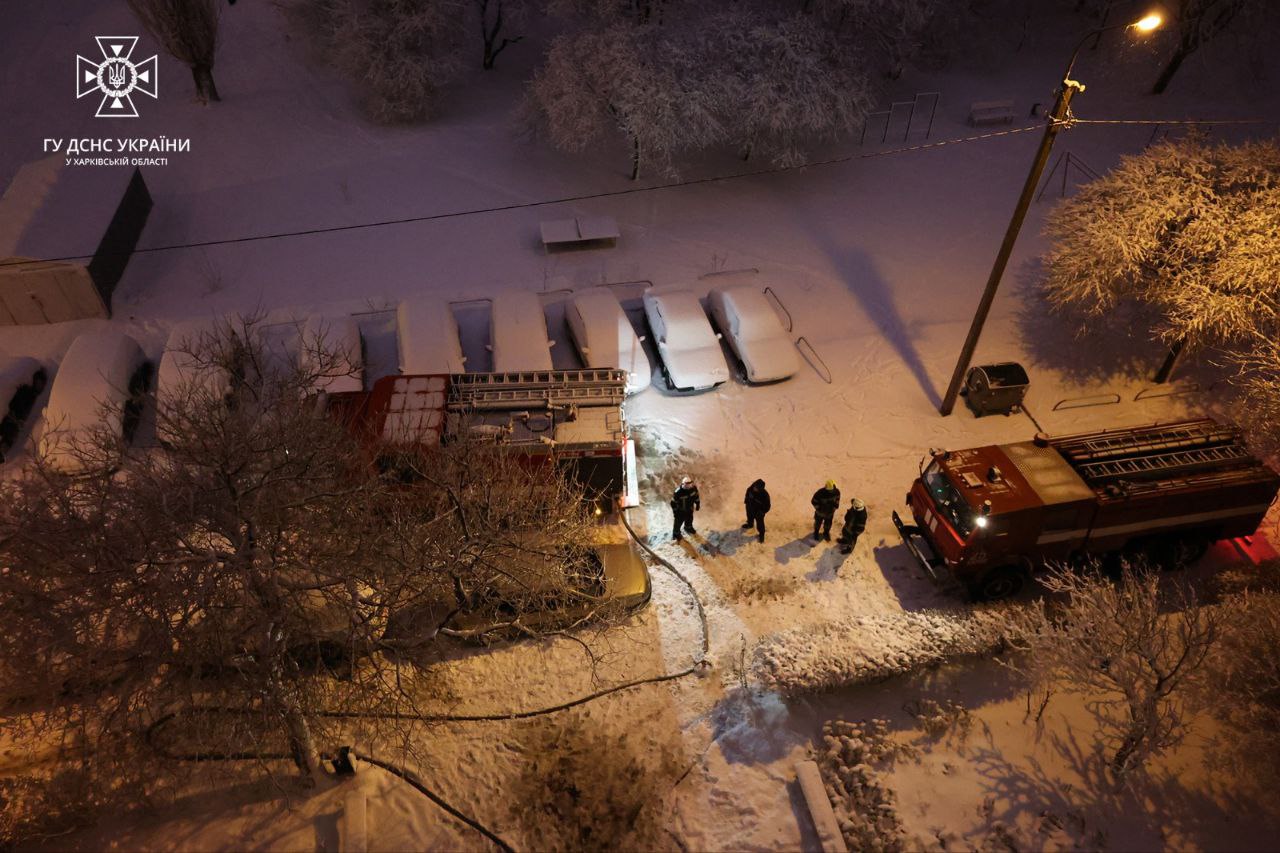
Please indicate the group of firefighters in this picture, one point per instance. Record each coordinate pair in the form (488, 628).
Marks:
(826, 502)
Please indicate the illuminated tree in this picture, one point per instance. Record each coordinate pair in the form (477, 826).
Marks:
(1185, 228)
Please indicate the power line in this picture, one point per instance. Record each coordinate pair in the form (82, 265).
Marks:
(1074, 120)
(381, 223)
(478, 211)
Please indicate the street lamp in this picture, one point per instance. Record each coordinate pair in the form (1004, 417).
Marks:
(1058, 119)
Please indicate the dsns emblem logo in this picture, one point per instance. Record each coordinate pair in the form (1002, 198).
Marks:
(116, 77)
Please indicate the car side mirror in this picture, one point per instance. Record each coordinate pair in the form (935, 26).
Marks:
(551, 343)
(719, 336)
(489, 347)
(643, 338)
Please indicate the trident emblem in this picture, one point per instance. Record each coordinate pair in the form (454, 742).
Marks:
(116, 77)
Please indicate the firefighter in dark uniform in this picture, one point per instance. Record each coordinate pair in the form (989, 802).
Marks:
(757, 504)
(825, 503)
(683, 503)
(855, 521)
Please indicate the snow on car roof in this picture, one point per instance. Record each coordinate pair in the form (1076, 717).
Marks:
(94, 373)
(427, 337)
(519, 333)
(756, 317)
(686, 322)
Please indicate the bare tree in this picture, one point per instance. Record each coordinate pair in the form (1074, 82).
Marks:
(1184, 228)
(1130, 645)
(495, 20)
(256, 566)
(188, 29)
(1197, 22)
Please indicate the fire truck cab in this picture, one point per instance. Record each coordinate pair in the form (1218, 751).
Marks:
(991, 515)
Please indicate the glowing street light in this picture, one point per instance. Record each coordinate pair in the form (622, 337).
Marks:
(1149, 23)
(1059, 117)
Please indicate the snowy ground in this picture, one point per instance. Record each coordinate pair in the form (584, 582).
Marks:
(878, 260)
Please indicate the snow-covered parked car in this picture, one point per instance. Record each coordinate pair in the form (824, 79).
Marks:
(689, 347)
(427, 337)
(100, 384)
(518, 333)
(331, 350)
(604, 336)
(21, 381)
(744, 316)
(179, 368)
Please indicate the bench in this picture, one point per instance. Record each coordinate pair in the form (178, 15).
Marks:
(991, 112)
(580, 232)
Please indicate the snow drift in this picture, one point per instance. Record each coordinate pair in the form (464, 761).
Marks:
(876, 646)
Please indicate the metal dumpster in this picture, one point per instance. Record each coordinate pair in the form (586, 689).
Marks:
(995, 388)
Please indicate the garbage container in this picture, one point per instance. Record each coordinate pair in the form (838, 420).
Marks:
(995, 388)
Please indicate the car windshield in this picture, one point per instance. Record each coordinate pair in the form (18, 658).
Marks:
(950, 504)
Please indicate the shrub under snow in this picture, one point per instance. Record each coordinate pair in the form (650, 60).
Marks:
(874, 647)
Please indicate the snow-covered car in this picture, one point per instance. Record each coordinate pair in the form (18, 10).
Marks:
(690, 349)
(101, 383)
(612, 580)
(427, 337)
(744, 316)
(21, 381)
(331, 350)
(179, 368)
(604, 336)
(518, 333)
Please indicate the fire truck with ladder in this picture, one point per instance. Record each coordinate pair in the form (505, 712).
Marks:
(570, 418)
(991, 515)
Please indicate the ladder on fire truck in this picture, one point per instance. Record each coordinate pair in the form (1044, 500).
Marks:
(1154, 452)
(541, 388)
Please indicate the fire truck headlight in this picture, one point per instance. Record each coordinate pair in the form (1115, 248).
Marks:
(981, 521)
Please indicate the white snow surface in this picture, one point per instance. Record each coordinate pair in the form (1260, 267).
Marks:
(879, 260)
(90, 388)
(427, 337)
(606, 338)
(519, 333)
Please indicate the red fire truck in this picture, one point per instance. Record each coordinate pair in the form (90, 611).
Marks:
(572, 418)
(991, 515)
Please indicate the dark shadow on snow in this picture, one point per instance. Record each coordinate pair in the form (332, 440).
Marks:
(793, 550)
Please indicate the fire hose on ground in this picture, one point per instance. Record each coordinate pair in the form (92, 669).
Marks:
(700, 664)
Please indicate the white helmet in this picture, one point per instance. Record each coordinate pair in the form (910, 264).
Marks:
(687, 481)
(858, 504)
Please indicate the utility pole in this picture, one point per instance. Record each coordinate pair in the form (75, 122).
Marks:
(1059, 118)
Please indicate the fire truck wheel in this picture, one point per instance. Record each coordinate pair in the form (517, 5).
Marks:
(1173, 553)
(999, 583)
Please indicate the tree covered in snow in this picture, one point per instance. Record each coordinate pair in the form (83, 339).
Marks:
(744, 77)
(1185, 228)
(1244, 677)
(893, 29)
(634, 80)
(188, 29)
(399, 53)
(1134, 648)
(261, 562)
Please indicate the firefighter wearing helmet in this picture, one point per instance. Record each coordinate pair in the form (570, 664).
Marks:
(825, 503)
